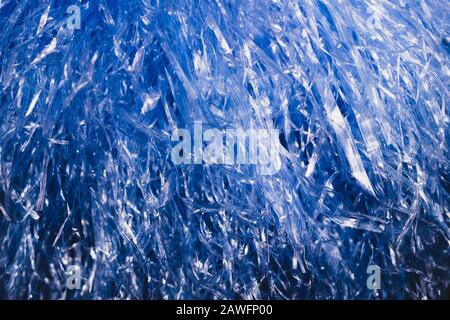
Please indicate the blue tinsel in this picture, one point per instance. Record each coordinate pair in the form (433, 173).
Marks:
(357, 89)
